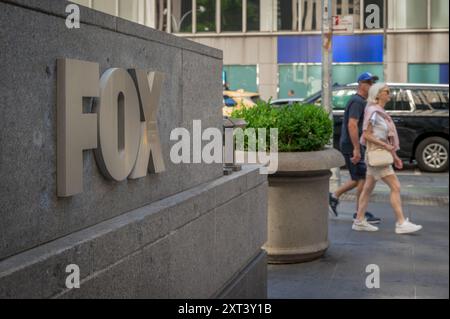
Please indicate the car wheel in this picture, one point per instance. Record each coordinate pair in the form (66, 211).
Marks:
(432, 154)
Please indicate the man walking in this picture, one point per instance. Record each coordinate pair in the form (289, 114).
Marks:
(353, 151)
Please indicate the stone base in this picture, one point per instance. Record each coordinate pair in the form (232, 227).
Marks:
(295, 258)
(190, 245)
(250, 283)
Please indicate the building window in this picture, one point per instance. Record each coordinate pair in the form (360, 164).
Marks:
(302, 79)
(428, 73)
(408, 14)
(439, 14)
(241, 77)
(206, 15)
(182, 16)
(161, 15)
(253, 18)
(231, 15)
(287, 15)
(306, 79)
(345, 74)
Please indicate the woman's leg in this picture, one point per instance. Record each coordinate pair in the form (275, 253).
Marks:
(396, 200)
(364, 198)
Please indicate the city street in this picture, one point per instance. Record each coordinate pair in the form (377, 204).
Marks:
(415, 266)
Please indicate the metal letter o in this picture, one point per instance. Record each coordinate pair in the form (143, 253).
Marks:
(119, 126)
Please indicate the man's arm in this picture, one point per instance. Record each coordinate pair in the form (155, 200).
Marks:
(353, 131)
(356, 110)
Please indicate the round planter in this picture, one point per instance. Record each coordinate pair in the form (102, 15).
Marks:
(298, 206)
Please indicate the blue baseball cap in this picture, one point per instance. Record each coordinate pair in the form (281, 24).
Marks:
(366, 76)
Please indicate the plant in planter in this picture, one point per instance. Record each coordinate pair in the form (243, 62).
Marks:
(298, 191)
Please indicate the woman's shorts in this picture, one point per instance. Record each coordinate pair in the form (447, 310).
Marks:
(379, 172)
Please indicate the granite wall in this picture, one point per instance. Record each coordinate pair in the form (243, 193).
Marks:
(167, 235)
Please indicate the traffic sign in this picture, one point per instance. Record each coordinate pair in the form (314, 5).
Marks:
(343, 24)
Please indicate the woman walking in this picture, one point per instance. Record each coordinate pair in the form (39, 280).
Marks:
(380, 133)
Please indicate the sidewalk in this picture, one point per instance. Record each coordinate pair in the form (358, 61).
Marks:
(414, 266)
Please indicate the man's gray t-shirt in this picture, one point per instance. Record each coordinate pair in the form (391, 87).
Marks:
(355, 109)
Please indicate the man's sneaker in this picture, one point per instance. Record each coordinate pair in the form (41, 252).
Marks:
(371, 218)
(407, 228)
(333, 202)
(363, 226)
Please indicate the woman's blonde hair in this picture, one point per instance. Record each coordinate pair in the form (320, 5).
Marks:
(374, 91)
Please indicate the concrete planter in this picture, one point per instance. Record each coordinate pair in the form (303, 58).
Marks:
(298, 206)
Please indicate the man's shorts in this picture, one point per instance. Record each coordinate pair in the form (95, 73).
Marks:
(357, 172)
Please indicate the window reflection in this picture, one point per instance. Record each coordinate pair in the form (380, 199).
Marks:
(231, 17)
(253, 12)
(181, 16)
(206, 16)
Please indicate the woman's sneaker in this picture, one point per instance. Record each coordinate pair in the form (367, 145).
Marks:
(407, 228)
(363, 226)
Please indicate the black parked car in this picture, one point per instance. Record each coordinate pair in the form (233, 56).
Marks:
(421, 114)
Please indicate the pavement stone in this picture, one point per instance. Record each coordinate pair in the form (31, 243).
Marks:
(411, 266)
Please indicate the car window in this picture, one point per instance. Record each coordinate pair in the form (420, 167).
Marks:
(399, 101)
(420, 100)
(341, 98)
(429, 98)
(438, 99)
(443, 94)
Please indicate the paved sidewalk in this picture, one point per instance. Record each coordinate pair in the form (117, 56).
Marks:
(411, 266)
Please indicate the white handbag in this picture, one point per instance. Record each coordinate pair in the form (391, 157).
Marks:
(379, 157)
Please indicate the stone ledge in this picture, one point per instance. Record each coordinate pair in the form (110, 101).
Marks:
(98, 247)
(249, 283)
(116, 24)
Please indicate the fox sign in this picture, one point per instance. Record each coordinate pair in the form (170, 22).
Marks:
(122, 128)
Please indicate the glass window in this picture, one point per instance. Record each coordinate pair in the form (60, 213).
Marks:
(181, 16)
(303, 80)
(439, 14)
(206, 15)
(341, 98)
(420, 100)
(253, 9)
(231, 15)
(408, 14)
(287, 15)
(373, 14)
(424, 73)
(311, 13)
(243, 77)
(399, 101)
(344, 74)
(161, 15)
(436, 99)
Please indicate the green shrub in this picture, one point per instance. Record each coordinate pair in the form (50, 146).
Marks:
(301, 128)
